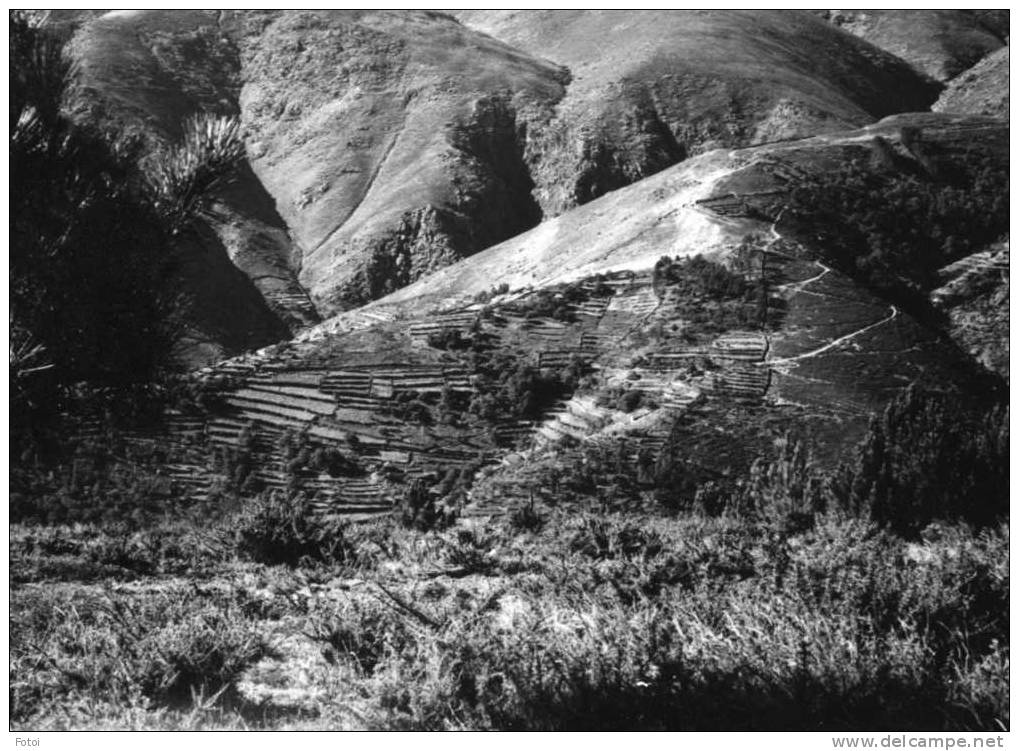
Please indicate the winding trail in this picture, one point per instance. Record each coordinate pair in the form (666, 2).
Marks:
(782, 363)
(785, 361)
(798, 287)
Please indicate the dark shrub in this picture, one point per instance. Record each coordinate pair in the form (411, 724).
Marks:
(277, 528)
(928, 457)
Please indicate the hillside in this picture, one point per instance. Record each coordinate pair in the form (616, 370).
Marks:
(981, 90)
(939, 43)
(974, 292)
(416, 383)
(650, 88)
(697, 207)
(399, 159)
(428, 140)
(146, 73)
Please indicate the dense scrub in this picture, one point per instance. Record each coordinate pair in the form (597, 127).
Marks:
(507, 387)
(793, 599)
(712, 297)
(894, 230)
(711, 625)
(928, 457)
(584, 621)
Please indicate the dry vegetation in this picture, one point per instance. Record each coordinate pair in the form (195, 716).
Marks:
(797, 600)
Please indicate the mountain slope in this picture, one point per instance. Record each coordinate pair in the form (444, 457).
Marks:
(652, 87)
(145, 72)
(940, 43)
(981, 90)
(596, 339)
(699, 206)
(404, 156)
(384, 145)
(381, 144)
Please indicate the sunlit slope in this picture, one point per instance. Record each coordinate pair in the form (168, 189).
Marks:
(981, 90)
(651, 87)
(940, 43)
(390, 141)
(697, 207)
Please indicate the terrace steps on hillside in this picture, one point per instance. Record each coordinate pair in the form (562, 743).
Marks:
(291, 301)
(576, 418)
(595, 341)
(462, 321)
(561, 358)
(988, 259)
(226, 430)
(749, 346)
(638, 303)
(269, 412)
(352, 383)
(514, 431)
(295, 397)
(749, 382)
(178, 422)
(591, 308)
(546, 329)
(731, 205)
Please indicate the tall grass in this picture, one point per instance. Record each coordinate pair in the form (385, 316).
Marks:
(71, 656)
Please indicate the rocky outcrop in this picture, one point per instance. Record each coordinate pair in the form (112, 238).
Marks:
(981, 90)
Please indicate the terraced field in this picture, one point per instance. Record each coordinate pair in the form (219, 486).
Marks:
(402, 402)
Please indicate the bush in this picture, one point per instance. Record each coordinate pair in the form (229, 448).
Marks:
(278, 528)
(711, 297)
(450, 339)
(700, 277)
(630, 401)
(507, 387)
(364, 634)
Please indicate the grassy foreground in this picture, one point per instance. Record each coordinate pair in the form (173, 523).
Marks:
(768, 618)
